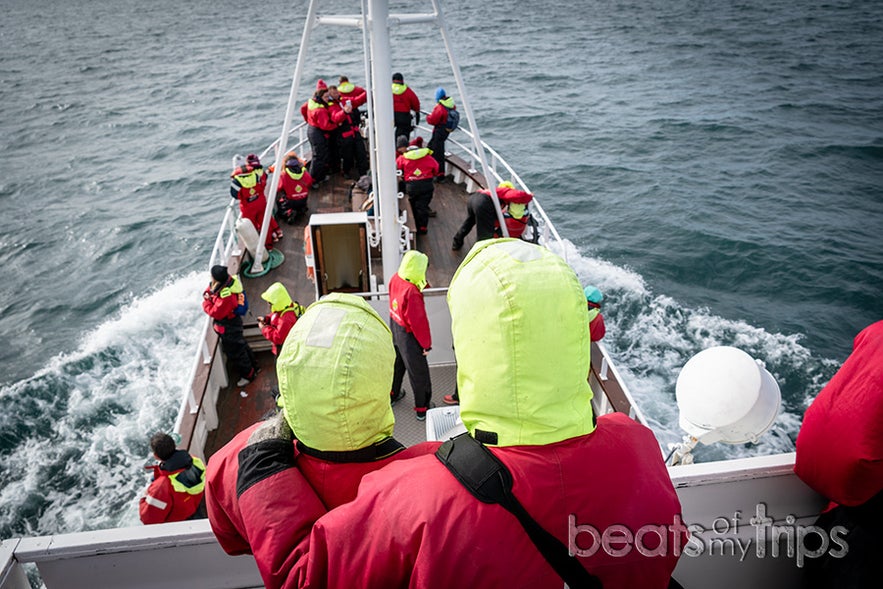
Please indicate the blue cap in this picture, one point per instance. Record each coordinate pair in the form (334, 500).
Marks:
(439, 94)
(593, 295)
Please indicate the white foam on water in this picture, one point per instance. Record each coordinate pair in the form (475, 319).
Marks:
(88, 416)
(651, 336)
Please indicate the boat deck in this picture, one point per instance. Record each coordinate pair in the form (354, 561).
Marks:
(239, 407)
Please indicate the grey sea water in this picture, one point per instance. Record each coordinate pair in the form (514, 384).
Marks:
(716, 166)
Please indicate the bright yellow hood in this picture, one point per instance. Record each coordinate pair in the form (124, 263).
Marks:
(277, 296)
(335, 373)
(413, 268)
(521, 338)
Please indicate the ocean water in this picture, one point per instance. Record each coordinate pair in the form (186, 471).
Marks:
(716, 167)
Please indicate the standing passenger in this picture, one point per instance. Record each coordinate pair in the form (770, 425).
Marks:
(419, 169)
(410, 330)
(317, 113)
(404, 100)
(441, 118)
(482, 213)
(247, 186)
(352, 145)
(220, 301)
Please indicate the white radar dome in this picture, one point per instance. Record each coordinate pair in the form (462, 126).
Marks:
(724, 395)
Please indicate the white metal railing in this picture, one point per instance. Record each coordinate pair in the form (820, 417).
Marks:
(464, 150)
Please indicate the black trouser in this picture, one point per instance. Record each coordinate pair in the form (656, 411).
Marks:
(420, 195)
(236, 348)
(410, 358)
(352, 150)
(437, 145)
(403, 123)
(482, 215)
(319, 146)
(288, 209)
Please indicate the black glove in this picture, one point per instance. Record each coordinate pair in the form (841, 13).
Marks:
(417, 117)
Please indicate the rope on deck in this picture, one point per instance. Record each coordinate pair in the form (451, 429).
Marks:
(275, 259)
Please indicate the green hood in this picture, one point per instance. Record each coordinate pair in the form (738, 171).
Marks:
(277, 296)
(413, 268)
(522, 344)
(335, 373)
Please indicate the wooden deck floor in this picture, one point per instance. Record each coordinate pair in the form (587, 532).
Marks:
(239, 407)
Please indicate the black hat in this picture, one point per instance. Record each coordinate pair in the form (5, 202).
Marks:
(397, 77)
(219, 273)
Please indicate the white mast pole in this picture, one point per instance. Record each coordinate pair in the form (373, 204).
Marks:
(386, 189)
(282, 148)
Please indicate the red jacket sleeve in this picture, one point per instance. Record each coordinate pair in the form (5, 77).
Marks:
(415, 317)
(438, 116)
(359, 96)
(218, 307)
(156, 504)
(304, 109)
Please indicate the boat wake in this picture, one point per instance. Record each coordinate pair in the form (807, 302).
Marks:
(73, 437)
(651, 336)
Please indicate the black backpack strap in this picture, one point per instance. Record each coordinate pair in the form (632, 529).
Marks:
(490, 481)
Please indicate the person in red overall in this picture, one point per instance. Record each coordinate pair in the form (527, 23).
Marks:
(178, 487)
(410, 330)
(597, 329)
(220, 302)
(317, 113)
(354, 156)
(482, 214)
(294, 189)
(334, 427)
(840, 456)
(438, 118)
(419, 170)
(524, 392)
(247, 185)
(283, 315)
(404, 101)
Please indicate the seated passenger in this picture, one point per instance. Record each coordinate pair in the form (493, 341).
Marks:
(176, 493)
(524, 394)
(597, 329)
(294, 189)
(335, 425)
(283, 315)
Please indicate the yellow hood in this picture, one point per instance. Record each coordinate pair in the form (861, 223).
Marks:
(521, 338)
(413, 268)
(335, 373)
(277, 296)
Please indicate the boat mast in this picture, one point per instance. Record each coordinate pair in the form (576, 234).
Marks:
(383, 132)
